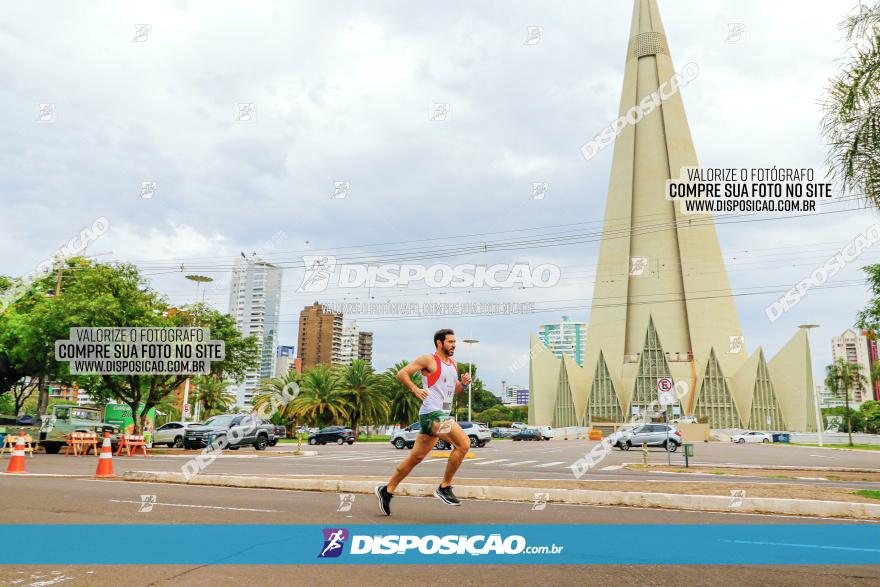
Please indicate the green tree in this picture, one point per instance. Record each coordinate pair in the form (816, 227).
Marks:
(322, 399)
(840, 378)
(275, 396)
(213, 395)
(367, 403)
(870, 411)
(851, 120)
(403, 404)
(97, 295)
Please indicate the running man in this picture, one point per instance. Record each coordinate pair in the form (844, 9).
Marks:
(440, 380)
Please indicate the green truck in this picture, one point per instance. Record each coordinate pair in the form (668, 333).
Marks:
(62, 420)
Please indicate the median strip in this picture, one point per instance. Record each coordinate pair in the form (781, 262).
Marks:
(493, 492)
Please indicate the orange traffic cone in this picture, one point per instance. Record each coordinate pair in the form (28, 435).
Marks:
(105, 460)
(16, 465)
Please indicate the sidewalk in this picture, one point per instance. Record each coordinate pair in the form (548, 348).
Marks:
(776, 498)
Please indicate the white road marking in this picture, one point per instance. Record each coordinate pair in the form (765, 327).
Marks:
(187, 505)
(554, 463)
(821, 546)
(518, 463)
(493, 462)
(825, 457)
(611, 468)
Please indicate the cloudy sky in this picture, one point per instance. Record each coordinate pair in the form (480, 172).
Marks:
(345, 92)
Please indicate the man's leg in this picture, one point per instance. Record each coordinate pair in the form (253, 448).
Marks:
(461, 444)
(420, 450)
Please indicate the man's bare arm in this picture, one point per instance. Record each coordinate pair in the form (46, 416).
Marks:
(405, 374)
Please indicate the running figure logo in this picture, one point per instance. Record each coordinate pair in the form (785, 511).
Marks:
(334, 541)
(318, 270)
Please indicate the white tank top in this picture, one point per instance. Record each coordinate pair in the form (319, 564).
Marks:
(440, 386)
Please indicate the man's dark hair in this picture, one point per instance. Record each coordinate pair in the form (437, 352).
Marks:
(440, 335)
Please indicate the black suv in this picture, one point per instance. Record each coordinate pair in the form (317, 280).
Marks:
(336, 434)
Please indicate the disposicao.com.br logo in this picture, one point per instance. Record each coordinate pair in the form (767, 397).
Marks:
(452, 544)
(323, 271)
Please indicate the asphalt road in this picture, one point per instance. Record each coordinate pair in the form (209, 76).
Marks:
(60, 491)
(33, 499)
(506, 459)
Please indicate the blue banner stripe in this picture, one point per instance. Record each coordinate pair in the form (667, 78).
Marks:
(636, 544)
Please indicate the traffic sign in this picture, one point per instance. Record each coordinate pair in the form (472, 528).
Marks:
(186, 410)
(664, 390)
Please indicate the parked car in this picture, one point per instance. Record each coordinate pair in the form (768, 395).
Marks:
(478, 433)
(546, 431)
(406, 438)
(529, 434)
(64, 419)
(751, 437)
(337, 434)
(615, 437)
(171, 434)
(519, 425)
(665, 435)
(501, 432)
(238, 429)
(280, 432)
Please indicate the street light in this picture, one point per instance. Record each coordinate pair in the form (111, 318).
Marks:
(199, 279)
(470, 341)
(809, 327)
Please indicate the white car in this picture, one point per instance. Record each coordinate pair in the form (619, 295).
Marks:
(546, 431)
(751, 437)
(172, 433)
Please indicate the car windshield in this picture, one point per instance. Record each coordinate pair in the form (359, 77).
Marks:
(85, 415)
(219, 421)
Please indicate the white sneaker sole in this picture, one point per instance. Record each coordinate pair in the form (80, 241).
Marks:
(443, 499)
(379, 496)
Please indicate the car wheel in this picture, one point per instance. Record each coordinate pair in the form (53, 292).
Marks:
(765, 441)
(323, 443)
(399, 443)
(350, 442)
(741, 441)
(670, 446)
(627, 445)
(340, 442)
(234, 447)
(178, 442)
(261, 443)
(312, 441)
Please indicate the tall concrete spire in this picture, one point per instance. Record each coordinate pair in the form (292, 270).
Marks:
(662, 305)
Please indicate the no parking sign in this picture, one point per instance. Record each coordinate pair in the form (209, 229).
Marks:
(664, 391)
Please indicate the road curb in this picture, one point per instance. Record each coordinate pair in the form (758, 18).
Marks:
(713, 503)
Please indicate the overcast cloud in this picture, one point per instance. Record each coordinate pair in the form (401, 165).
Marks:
(343, 92)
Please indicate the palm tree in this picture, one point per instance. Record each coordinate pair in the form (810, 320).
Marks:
(404, 405)
(840, 377)
(851, 121)
(322, 398)
(367, 402)
(276, 395)
(212, 393)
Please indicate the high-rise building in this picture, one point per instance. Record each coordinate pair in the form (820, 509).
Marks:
(826, 399)
(852, 347)
(565, 338)
(365, 347)
(255, 302)
(356, 344)
(662, 306)
(320, 336)
(515, 395)
(284, 360)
